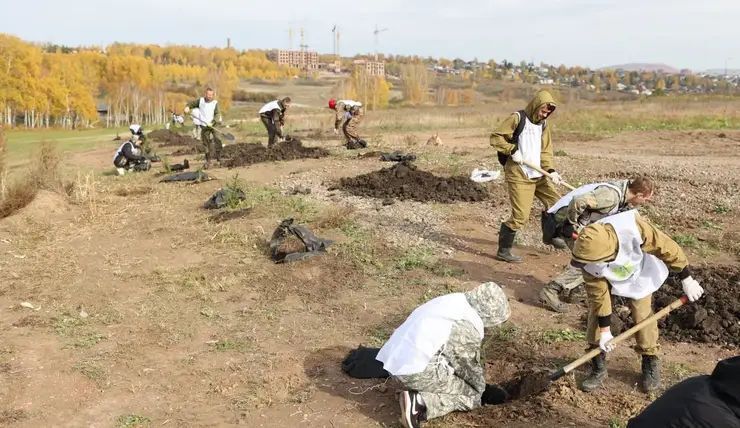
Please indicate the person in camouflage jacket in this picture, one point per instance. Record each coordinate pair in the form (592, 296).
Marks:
(449, 378)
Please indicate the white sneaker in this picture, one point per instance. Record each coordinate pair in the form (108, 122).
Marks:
(121, 171)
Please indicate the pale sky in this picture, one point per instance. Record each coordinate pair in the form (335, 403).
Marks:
(696, 34)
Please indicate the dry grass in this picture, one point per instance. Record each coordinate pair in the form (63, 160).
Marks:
(335, 216)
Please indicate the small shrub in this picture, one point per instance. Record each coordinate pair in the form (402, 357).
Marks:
(561, 153)
(410, 140)
(685, 240)
(721, 209)
(336, 216)
(17, 196)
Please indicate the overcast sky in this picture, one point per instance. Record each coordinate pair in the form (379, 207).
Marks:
(681, 33)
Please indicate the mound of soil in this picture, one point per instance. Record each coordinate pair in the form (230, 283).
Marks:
(243, 154)
(168, 138)
(405, 182)
(715, 318)
(192, 150)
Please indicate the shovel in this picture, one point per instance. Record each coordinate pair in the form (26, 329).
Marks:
(536, 383)
(546, 174)
(226, 135)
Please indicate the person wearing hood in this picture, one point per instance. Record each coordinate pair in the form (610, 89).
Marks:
(525, 136)
(626, 253)
(435, 354)
(209, 116)
(272, 116)
(708, 401)
(579, 208)
(351, 113)
(129, 157)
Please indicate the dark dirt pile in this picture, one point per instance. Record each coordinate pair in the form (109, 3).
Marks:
(715, 318)
(527, 383)
(405, 182)
(243, 154)
(167, 138)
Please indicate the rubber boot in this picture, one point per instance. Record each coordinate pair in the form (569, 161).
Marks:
(598, 374)
(505, 242)
(208, 162)
(550, 297)
(650, 373)
(559, 243)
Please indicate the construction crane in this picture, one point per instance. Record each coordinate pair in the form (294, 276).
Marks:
(376, 32)
(290, 38)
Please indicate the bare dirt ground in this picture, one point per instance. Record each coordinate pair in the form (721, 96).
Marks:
(140, 311)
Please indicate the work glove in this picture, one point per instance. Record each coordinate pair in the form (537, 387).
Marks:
(605, 337)
(556, 178)
(517, 157)
(569, 229)
(186, 109)
(336, 131)
(692, 289)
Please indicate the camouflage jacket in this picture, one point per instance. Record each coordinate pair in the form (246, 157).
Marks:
(597, 204)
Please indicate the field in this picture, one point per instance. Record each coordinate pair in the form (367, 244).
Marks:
(130, 305)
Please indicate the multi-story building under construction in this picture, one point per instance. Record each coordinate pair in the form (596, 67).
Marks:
(297, 59)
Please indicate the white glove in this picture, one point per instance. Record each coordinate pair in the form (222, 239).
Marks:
(186, 109)
(336, 131)
(605, 337)
(692, 289)
(556, 178)
(517, 157)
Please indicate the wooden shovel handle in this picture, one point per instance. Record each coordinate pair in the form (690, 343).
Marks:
(546, 174)
(625, 335)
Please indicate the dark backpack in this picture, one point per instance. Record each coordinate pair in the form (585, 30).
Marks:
(502, 158)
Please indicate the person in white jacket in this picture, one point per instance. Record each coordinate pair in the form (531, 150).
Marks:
(435, 354)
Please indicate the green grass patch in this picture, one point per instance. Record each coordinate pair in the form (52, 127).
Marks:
(567, 335)
(688, 241)
(22, 143)
(133, 421)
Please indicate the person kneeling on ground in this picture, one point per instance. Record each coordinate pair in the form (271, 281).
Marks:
(629, 254)
(272, 116)
(579, 208)
(700, 401)
(128, 156)
(435, 354)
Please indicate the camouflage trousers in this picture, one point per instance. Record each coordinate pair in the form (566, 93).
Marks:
(351, 126)
(569, 279)
(211, 143)
(441, 390)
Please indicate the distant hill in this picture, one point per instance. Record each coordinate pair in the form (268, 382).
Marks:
(642, 66)
(721, 71)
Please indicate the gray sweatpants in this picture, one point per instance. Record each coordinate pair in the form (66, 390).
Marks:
(441, 390)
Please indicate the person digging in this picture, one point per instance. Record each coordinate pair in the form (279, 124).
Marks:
(632, 257)
(348, 115)
(524, 136)
(579, 208)
(129, 157)
(210, 116)
(435, 354)
(272, 116)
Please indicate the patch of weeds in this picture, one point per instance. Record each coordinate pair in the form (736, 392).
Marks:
(721, 209)
(67, 325)
(615, 422)
(455, 163)
(444, 270)
(567, 335)
(685, 240)
(379, 335)
(88, 342)
(134, 191)
(416, 257)
(682, 370)
(358, 249)
(410, 140)
(92, 370)
(561, 152)
(505, 333)
(377, 139)
(436, 291)
(708, 224)
(234, 192)
(335, 216)
(232, 345)
(133, 421)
